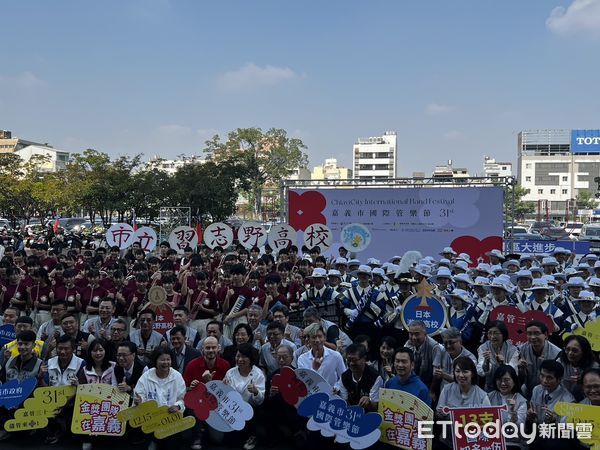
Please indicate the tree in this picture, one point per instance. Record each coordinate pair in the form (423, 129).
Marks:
(262, 158)
(521, 207)
(585, 199)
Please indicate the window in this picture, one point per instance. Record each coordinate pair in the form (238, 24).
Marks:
(527, 178)
(564, 191)
(540, 191)
(565, 178)
(503, 167)
(553, 191)
(528, 165)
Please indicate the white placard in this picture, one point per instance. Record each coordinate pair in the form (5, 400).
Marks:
(218, 234)
(147, 238)
(281, 236)
(318, 235)
(252, 234)
(121, 235)
(182, 237)
(232, 411)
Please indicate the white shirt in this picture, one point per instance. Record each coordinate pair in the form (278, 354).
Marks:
(240, 383)
(331, 368)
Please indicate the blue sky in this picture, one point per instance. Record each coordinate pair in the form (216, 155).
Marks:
(455, 79)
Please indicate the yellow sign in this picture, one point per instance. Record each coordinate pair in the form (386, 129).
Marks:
(401, 412)
(156, 419)
(590, 331)
(586, 419)
(36, 411)
(96, 408)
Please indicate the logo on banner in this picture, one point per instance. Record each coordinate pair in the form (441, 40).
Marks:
(425, 307)
(218, 234)
(356, 237)
(401, 413)
(281, 236)
(516, 321)
(251, 235)
(318, 235)
(147, 238)
(120, 234)
(306, 208)
(333, 417)
(584, 141)
(182, 237)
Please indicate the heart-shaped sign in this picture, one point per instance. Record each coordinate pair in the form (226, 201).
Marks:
(516, 321)
(14, 393)
(200, 401)
(290, 386)
(305, 209)
(476, 248)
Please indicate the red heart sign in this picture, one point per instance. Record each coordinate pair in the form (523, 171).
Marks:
(516, 321)
(290, 386)
(200, 401)
(476, 248)
(306, 209)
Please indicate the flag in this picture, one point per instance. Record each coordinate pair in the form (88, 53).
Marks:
(133, 221)
(198, 229)
(56, 225)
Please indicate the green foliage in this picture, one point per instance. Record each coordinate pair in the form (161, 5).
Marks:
(262, 158)
(521, 207)
(586, 200)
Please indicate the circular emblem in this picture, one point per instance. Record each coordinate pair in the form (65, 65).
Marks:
(424, 307)
(356, 237)
(70, 298)
(157, 296)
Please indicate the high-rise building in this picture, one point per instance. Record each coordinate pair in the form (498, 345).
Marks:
(51, 159)
(555, 165)
(331, 171)
(374, 158)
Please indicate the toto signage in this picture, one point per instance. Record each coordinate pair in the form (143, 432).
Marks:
(585, 141)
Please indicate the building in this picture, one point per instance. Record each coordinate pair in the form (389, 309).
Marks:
(50, 158)
(555, 165)
(374, 158)
(8, 144)
(447, 172)
(171, 166)
(331, 171)
(494, 169)
(299, 173)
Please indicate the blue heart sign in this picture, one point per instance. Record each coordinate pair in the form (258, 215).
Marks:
(14, 393)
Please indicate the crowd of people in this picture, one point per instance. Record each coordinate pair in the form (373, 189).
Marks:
(83, 315)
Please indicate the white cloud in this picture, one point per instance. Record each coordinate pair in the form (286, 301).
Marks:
(436, 108)
(251, 76)
(174, 130)
(453, 135)
(25, 80)
(582, 16)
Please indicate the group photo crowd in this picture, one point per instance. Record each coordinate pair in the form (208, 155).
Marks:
(87, 314)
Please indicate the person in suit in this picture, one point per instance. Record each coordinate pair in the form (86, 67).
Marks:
(183, 352)
(129, 368)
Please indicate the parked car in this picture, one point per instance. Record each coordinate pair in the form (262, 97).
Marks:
(517, 229)
(528, 237)
(537, 227)
(590, 232)
(573, 228)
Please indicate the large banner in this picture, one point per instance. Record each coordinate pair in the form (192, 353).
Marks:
(427, 219)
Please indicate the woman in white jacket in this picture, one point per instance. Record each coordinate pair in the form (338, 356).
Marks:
(163, 384)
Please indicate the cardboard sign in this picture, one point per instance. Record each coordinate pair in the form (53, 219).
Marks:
(314, 382)
(480, 417)
(586, 419)
(401, 413)
(156, 419)
(218, 234)
(333, 417)
(43, 405)
(200, 401)
(13, 393)
(319, 235)
(7, 334)
(356, 237)
(120, 234)
(252, 234)
(516, 321)
(425, 307)
(591, 331)
(291, 388)
(147, 238)
(182, 237)
(232, 411)
(281, 237)
(96, 408)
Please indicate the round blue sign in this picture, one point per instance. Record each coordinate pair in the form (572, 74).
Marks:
(428, 309)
